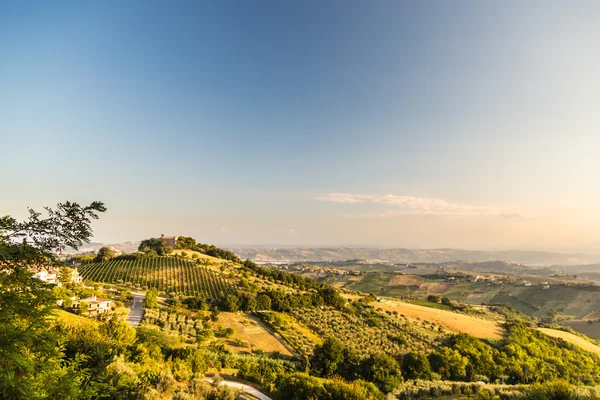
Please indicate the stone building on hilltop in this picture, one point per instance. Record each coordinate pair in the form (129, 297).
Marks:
(171, 240)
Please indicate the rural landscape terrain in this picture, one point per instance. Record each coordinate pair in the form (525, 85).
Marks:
(299, 200)
(174, 316)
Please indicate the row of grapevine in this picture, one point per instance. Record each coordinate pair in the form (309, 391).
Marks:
(167, 274)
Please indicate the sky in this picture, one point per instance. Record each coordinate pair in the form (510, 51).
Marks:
(427, 124)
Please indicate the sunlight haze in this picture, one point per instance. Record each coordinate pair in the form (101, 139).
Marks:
(408, 124)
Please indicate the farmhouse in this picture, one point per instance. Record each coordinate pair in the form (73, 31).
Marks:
(171, 240)
(53, 276)
(96, 305)
(48, 275)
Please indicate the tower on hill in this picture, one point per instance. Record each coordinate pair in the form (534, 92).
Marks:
(171, 240)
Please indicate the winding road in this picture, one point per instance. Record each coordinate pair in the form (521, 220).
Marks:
(137, 310)
(244, 388)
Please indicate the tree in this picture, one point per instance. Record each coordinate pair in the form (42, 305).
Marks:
(151, 298)
(64, 275)
(185, 242)
(30, 359)
(331, 296)
(263, 302)
(449, 363)
(104, 254)
(383, 370)
(433, 298)
(416, 366)
(228, 332)
(151, 245)
(370, 298)
(83, 307)
(214, 313)
(231, 303)
(328, 357)
(447, 302)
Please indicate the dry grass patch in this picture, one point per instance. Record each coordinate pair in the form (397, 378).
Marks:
(451, 321)
(251, 334)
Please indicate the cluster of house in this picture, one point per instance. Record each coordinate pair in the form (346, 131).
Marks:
(321, 271)
(51, 275)
(95, 305)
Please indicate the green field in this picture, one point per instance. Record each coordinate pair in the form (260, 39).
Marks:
(167, 274)
(372, 282)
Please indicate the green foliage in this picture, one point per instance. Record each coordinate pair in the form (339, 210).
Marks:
(383, 370)
(83, 307)
(556, 390)
(189, 243)
(369, 298)
(532, 356)
(303, 387)
(31, 364)
(447, 302)
(159, 246)
(151, 298)
(328, 357)
(449, 363)
(104, 254)
(433, 298)
(416, 366)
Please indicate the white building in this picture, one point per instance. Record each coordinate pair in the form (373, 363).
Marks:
(96, 305)
(48, 275)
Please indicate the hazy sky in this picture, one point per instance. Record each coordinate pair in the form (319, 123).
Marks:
(412, 124)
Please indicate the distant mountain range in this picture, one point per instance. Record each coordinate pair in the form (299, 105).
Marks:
(396, 256)
(411, 256)
(126, 247)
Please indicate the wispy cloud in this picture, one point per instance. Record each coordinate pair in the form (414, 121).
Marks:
(403, 205)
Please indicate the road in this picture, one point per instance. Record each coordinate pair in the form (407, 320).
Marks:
(137, 310)
(245, 388)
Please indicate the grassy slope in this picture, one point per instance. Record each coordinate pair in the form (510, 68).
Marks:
(573, 339)
(189, 253)
(74, 320)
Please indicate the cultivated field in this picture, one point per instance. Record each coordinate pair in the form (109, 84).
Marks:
(167, 274)
(573, 339)
(451, 321)
(407, 280)
(591, 330)
(252, 332)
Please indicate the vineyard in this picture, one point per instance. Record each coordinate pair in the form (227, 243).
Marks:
(166, 274)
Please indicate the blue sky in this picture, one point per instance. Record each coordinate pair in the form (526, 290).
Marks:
(461, 124)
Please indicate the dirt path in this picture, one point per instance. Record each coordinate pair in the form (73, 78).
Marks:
(137, 310)
(244, 388)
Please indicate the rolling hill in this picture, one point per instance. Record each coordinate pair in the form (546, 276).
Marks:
(409, 255)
